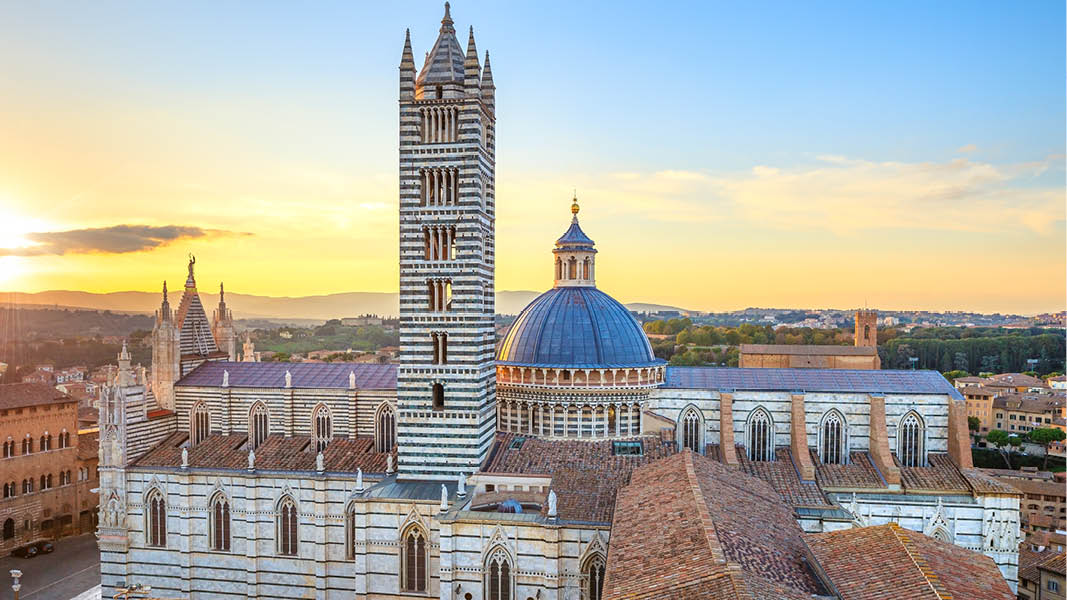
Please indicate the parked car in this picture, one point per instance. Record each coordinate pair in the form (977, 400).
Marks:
(28, 551)
(44, 547)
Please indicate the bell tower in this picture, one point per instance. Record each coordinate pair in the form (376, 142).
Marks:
(866, 328)
(446, 381)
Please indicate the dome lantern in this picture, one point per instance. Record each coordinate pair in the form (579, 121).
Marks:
(575, 255)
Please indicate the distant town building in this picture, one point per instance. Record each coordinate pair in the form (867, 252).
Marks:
(361, 321)
(862, 355)
(1041, 575)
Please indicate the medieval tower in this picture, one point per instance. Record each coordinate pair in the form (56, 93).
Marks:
(446, 390)
(866, 328)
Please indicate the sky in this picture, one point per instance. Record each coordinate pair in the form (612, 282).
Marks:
(902, 155)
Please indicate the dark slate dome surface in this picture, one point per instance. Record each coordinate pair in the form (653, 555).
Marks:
(578, 327)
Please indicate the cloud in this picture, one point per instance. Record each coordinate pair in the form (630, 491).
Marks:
(848, 195)
(967, 149)
(116, 239)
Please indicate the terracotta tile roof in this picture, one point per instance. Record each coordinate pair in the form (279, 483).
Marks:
(1018, 379)
(783, 477)
(940, 476)
(159, 412)
(984, 484)
(1054, 564)
(1031, 563)
(886, 561)
(276, 453)
(89, 415)
(1029, 486)
(21, 395)
(689, 527)
(859, 473)
(585, 474)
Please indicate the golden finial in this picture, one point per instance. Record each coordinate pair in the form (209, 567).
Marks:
(574, 204)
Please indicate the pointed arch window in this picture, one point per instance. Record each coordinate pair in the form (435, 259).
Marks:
(9, 448)
(593, 576)
(692, 430)
(413, 560)
(760, 438)
(833, 439)
(498, 576)
(156, 513)
(9, 529)
(258, 424)
(911, 440)
(288, 527)
(220, 523)
(350, 532)
(323, 423)
(200, 422)
(385, 428)
(27, 445)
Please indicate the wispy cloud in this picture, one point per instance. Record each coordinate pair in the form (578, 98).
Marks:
(116, 239)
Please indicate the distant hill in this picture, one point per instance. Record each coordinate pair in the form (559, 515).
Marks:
(249, 306)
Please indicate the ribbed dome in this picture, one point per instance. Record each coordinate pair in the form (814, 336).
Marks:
(577, 327)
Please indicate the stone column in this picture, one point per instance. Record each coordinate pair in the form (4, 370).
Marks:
(879, 443)
(798, 438)
(727, 446)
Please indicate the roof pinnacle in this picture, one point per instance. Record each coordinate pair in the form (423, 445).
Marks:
(446, 22)
(574, 205)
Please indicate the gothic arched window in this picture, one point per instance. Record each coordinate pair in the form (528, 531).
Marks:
(27, 445)
(910, 441)
(156, 515)
(220, 523)
(593, 576)
(9, 529)
(258, 424)
(199, 422)
(288, 527)
(438, 396)
(385, 428)
(350, 532)
(498, 576)
(692, 426)
(323, 427)
(413, 560)
(833, 439)
(9, 448)
(760, 438)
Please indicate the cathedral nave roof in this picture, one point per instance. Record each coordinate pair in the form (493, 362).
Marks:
(277, 453)
(369, 376)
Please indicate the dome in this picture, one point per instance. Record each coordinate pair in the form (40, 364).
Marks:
(580, 327)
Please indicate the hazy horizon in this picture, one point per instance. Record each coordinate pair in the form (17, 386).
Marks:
(834, 155)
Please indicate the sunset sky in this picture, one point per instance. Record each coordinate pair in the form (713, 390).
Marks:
(786, 154)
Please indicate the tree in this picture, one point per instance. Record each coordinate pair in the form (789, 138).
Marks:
(1004, 443)
(1046, 436)
(973, 423)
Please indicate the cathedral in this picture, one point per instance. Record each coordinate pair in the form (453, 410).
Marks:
(559, 464)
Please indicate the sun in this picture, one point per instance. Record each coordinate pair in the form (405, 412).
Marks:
(11, 267)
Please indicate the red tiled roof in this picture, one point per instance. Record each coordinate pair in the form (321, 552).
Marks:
(585, 474)
(782, 475)
(886, 561)
(276, 453)
(689, 527)
(159, 412)
(940, 475)
(1054, 564)
(21, 395)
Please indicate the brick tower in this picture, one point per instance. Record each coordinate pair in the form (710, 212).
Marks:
(866, 327)
(446, 385)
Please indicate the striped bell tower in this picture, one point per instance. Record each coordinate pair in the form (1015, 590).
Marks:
(446, 384)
